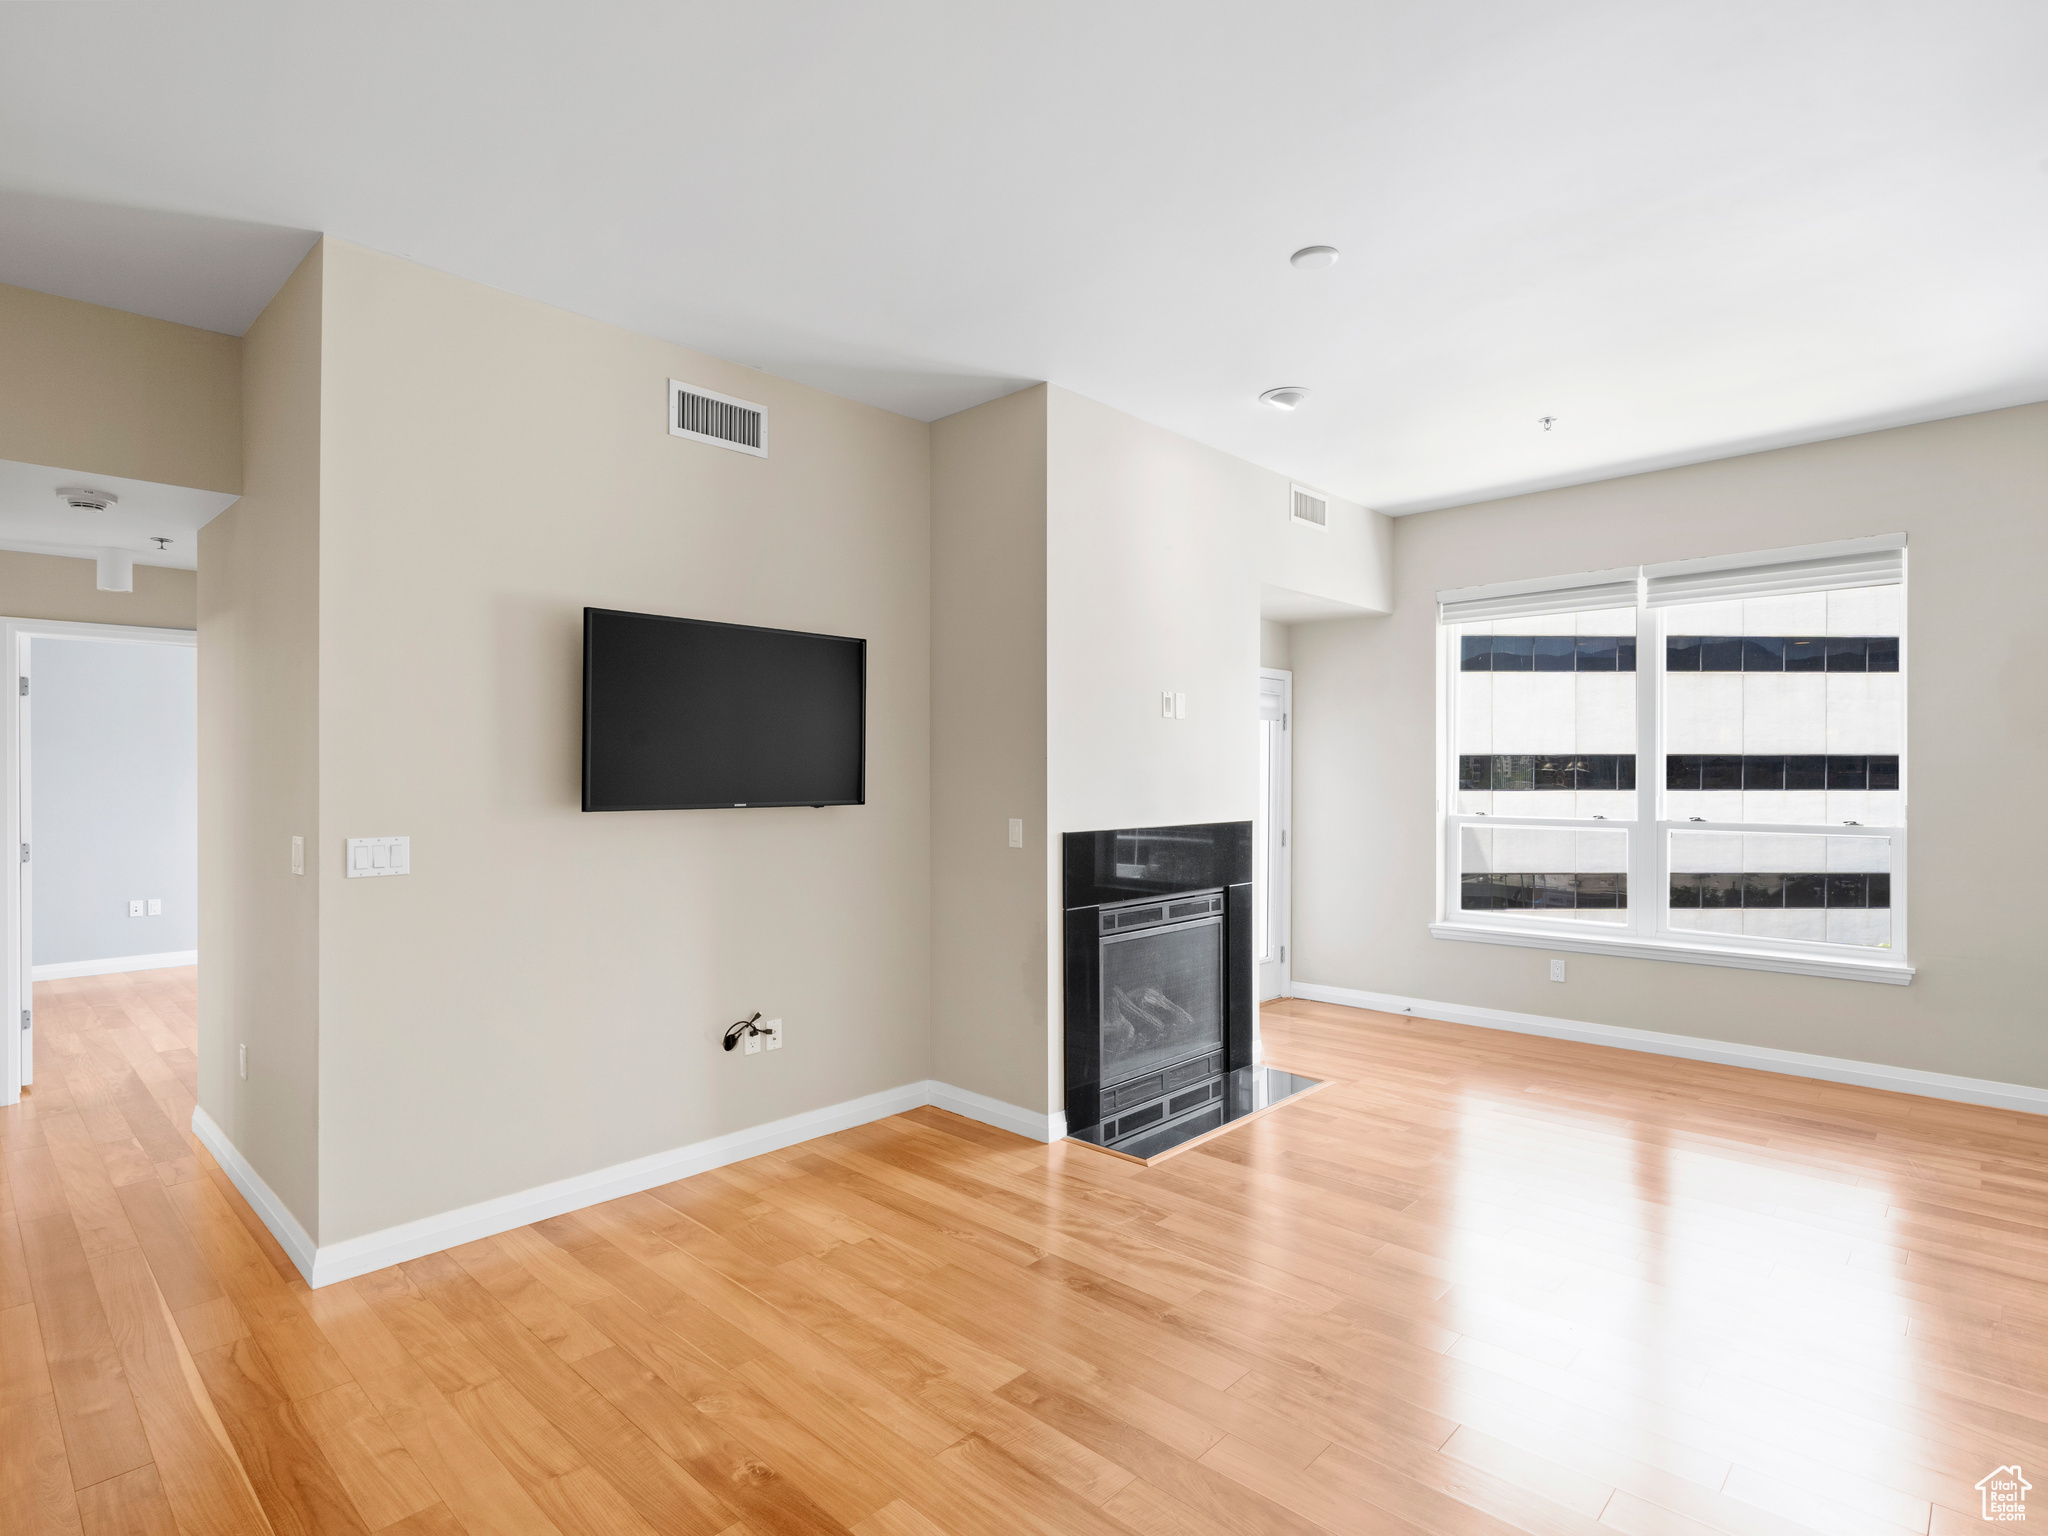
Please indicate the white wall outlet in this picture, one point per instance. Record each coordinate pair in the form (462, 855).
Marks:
(1557, 970)
(771, 1035)
(1180, 706)
(372, 856)
(242, 1061)
(753, 1044)
(298, 855)
(135, 909)
(1016, 831)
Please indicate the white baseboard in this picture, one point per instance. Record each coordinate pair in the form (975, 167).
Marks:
(1007, 1117)
(323, 1265)
(284, 1226)
(66, 968)
(1833, 1069)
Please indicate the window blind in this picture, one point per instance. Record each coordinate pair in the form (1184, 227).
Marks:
(1558, 594)
(1877, 562)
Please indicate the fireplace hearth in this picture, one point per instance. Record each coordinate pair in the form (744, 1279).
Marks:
(1160, 1006)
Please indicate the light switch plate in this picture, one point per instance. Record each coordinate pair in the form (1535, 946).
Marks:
(298, 855)
(1016, 831)
(369, 857)
(1180, 706)
(156, 907)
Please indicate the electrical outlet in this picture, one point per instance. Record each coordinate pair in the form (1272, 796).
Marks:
(771, 1035)
(242, 1061)
(156, 907)
(753, 1044)
(1557, 970)
(135, 909)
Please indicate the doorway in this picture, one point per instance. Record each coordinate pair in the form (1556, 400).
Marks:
(102, 805)
(1271, 832)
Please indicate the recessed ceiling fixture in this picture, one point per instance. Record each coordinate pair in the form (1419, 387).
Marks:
(82, 498)
(1286, 397)
(1313, 258)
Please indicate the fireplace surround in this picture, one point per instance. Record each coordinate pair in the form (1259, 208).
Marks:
(1160, 1005)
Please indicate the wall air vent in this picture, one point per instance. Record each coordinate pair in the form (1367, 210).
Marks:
(1311, 509)
(719, 420)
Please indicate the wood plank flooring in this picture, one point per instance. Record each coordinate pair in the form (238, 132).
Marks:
(1482, 1284)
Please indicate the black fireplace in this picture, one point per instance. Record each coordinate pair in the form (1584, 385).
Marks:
(1160, 995)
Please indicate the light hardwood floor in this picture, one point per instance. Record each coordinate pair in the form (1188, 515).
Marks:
(1485, 1283)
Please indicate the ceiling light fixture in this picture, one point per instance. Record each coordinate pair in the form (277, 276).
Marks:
(1313, 258)
(116, 571)
(1286, 397)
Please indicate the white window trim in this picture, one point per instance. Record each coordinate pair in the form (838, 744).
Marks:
(1647, 935)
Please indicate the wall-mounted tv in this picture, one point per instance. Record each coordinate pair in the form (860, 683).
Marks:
(684, 714)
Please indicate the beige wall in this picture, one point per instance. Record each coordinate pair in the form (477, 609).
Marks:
(105, 392)
(1971, 495)
(1276, 645)
(59, 587)
(259, 640)
(1345, 564)
(543, 995)
(989, 987)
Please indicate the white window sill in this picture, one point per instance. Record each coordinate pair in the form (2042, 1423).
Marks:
(1892, 972)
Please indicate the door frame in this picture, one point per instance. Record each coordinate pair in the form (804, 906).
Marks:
(17, 891)
(1280, 867)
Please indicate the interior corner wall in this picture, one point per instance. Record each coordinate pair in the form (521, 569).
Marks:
(1276, 645)
(989, 900)
(104, 392)
(259, 639)
(544, 994)
(1971, 494)
(62, 587)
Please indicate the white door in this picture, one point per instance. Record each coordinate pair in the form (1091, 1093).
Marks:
(1270, 833)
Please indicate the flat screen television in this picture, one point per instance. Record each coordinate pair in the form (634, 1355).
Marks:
(684, 714)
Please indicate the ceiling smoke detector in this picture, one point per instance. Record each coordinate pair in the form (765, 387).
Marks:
(1285, 398)
(80, 498)
(1313, 258)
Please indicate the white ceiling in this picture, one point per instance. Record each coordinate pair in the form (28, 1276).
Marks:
(33, 519)
(1681, 230)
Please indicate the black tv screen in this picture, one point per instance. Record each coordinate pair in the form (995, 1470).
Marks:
(683, 714)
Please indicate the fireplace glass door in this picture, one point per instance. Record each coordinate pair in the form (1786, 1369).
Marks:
(1162, 996)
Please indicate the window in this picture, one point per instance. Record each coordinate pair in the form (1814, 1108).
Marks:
(1700, 761)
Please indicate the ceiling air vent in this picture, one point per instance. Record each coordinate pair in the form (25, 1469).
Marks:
(718, 420)
(1310, 508)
